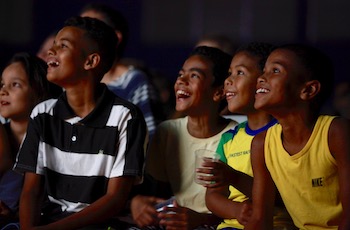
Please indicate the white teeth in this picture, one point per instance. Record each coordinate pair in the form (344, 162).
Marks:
(181, 92)
(230, 94)
(262, 90)
(53, 63)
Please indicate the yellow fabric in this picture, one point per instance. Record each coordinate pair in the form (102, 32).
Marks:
(307, 181)
(237, 153)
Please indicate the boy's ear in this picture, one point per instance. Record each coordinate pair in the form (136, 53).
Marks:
(119, 36)
(219, 94)
(310, 90)
(92, 61)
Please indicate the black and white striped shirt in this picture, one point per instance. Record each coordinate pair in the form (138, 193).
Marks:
(77, 156)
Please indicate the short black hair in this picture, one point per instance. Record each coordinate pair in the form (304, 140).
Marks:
(102, 34)
(319, 67)
(258, 49)
(114, 19)
(36, 70)
(221, 62)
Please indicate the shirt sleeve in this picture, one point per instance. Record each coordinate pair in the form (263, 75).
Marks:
(132, 144)
(28, 159)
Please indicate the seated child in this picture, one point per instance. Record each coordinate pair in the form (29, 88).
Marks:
(170, 159)
(306, 155)
(86, 148)
(223, 200)
(23, 85)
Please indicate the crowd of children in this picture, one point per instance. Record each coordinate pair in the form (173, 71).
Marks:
(75, 151)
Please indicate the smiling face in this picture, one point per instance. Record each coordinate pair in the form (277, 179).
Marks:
(16, 96)
(240, 86)
(193, 87)
(280, 85)
(68, 56)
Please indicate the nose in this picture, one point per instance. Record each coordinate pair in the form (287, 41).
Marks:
(228, 81)
(3, 90)
(261, 78)
(51, 51)
(183, 80)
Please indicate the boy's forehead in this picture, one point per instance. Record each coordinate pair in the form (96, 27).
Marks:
(70, 33)
(283, 57)
(199, 61)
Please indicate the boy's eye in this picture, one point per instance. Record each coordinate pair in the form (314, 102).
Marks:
(179, 75)
(16, 84)
(239, 72)
(62, 45)
(195, 76)
(275, 70)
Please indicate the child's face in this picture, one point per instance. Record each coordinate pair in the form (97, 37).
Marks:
(279, 86)
(240, 86)
(67, 56)
(16, 95)
(193, 87)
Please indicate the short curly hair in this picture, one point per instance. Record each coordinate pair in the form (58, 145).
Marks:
(221, 62)
(102, 34)
(319, 67)
(258, 49)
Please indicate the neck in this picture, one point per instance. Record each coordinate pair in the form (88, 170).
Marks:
(206, 126)
(258, 119)
(84, 101)
(297, 128)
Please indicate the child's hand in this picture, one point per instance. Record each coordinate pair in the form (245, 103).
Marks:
(246, 212)
(218, 173)
(5, 211)
(176, 217)
(143, 210)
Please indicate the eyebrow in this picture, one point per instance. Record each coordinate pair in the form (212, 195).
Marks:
(198, 70)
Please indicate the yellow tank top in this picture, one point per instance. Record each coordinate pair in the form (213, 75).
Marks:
(307, 181)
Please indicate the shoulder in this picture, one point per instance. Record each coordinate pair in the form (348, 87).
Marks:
(173, 123)
(339, 133)
(338, 124)
(44, 107)
(137, 75)
(125, 104)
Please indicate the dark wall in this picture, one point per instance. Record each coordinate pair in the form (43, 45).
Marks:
(163, 32)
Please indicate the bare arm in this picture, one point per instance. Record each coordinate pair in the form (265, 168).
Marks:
(339, 134)
(217, 201)
(223, 175)
(106, 207)
(263, 188)
(30, 201)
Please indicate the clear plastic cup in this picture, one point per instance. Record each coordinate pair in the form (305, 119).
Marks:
(201, 155)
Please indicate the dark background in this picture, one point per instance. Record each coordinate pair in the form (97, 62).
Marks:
(162, 32)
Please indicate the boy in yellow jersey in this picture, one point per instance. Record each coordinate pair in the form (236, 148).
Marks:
(234, 148)
(307, 155)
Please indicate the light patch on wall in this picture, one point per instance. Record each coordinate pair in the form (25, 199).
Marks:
(16, 21)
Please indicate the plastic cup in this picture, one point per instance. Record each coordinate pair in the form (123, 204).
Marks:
(201, 155)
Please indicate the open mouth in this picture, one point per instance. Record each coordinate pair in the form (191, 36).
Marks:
(4, 103)
(182, 94)
(53, 63)
(262, 90)
(230, 95)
